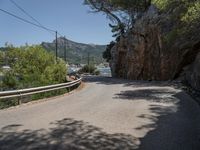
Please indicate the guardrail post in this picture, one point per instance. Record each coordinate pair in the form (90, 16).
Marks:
(20, 99)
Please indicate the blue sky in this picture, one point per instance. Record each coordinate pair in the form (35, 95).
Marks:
(70, 17)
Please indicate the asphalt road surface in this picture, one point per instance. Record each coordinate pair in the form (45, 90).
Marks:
(107, 114)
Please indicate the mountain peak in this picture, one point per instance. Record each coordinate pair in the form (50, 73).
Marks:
(76, 52)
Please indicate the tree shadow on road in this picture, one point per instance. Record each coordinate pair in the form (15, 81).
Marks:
(160, 95)
(173, 122)
(127, 83)
(104, 80)
(171, 128)
(68, 134)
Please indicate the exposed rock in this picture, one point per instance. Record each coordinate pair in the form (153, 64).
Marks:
(192, 74)
(159, 47)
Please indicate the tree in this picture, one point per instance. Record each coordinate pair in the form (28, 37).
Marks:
(107, 52)
(1, 59)
(32, 66)
(121, 12)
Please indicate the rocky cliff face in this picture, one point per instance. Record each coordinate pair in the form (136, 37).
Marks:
(161, 46)
(192, 74)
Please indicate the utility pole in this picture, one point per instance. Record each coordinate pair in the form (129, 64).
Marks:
(65, 50)
(56, 45)
(89, 62)
(88, 58)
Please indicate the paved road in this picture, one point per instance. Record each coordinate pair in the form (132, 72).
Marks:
(107, 114)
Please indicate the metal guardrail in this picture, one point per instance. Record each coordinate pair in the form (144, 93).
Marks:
(31, 91)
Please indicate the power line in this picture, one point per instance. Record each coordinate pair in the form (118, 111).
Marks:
(60, 34)
(34, 24)
(27, 21)
(25, 12)
(34, 19)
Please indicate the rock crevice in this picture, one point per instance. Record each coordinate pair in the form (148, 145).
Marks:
(159, 48)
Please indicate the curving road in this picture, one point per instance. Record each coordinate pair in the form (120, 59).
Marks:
(107, 114)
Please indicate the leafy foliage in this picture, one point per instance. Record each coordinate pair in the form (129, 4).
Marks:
(9, 80)
(162, 4)
(1, 58)
(123, 5)
(133, 5)
(121, 12)
(91, 69)
(33, 66)
(107, 52)
(188, 8)
(172, 35)
(184, 14)
(8, 103)
(193, 12)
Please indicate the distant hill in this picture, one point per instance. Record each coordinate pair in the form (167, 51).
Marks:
(76, 52)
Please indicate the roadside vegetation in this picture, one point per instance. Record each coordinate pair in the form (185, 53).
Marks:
(90, 69)
(30, 66)
(186, 15)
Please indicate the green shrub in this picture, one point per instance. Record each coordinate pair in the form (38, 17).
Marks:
(173, 35)
(97, 72)
(88, 69)
(32, 66)
(193, 13)
(161, 4)
(8, 103)
(9, 80)
(1, 59)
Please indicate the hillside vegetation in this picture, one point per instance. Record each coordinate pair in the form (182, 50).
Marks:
(76, 53)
